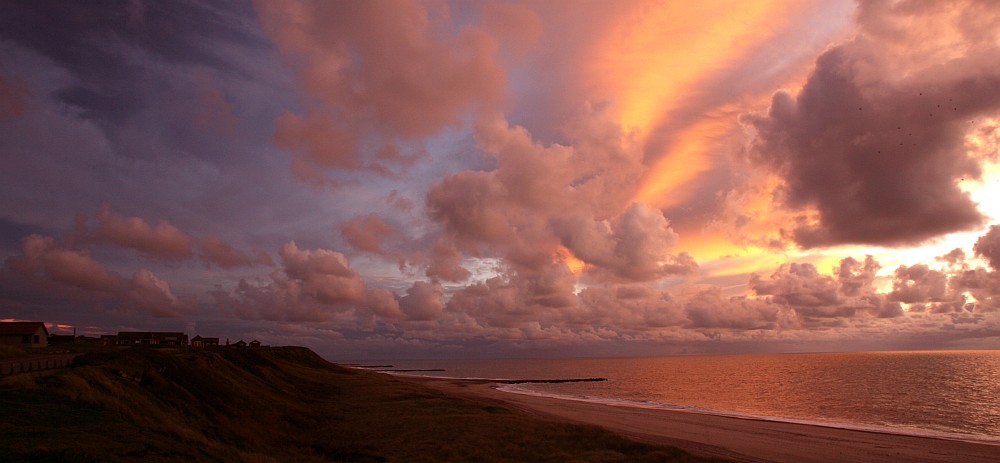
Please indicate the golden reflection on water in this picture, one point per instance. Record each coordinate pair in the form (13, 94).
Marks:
(950, 392)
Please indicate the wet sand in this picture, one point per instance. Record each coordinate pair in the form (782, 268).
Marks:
(738, 439)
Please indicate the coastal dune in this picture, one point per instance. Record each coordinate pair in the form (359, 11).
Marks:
(737, 439)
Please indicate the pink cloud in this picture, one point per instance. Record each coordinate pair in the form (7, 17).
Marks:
(323, 141)
(493, 302)
(386, 67)
(920, 284)
(312, 285)
(446, 263)
(366, 233)
(515, 25)
(823, 300)
(398, 201)
(163, 241)
(62, 275)
(324, 274)
(710, 309)
(62, 265)
(218, 252)
(422, 301)
(542, 197)
(856, 277)
(149, 294)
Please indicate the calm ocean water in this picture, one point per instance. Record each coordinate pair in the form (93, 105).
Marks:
(947, 394)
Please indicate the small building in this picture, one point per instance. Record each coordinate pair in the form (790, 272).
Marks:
(33, 334)
(254, 344)
(199, 342)
(108, 340)
(152, 338)
(240, 343)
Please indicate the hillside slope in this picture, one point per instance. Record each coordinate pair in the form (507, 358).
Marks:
(263, 405)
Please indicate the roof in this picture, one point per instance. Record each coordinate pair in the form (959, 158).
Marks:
(21, 328)
(149, 334)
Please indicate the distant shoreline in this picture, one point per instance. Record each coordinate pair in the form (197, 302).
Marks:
(740, 438)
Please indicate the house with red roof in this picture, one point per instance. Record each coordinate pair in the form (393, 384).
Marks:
(33, 334)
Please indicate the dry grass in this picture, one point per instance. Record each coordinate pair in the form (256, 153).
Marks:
(274, 405)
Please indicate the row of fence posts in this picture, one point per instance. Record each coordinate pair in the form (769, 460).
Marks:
(26, 365)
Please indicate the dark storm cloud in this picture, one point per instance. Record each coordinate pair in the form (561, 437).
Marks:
(164, 101)
(874, 141)
(87, 38)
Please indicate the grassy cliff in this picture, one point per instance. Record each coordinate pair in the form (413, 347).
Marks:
(271, 405)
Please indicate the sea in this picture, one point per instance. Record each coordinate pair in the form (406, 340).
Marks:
(944, 394)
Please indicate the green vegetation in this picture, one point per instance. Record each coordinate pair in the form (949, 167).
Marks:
(272, 405)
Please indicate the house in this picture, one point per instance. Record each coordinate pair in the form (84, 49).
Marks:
(153, 338)
(254, 344)
(201, 343)
(32, 334)
(240, 343)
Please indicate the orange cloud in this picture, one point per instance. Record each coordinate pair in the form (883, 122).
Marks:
(653, 61)
(563, 254)
(684, 160)
(656, 53)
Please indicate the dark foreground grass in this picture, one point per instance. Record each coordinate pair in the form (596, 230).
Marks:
(273, 405)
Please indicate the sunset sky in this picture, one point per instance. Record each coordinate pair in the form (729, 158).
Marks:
(467, 179)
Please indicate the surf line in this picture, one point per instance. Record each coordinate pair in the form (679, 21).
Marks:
(549, 381)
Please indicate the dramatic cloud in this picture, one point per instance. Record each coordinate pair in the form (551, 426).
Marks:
(541, 198)
(505, 178)
(873, 144)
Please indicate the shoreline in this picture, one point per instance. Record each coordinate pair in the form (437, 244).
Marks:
(910, 432)
(739, 438)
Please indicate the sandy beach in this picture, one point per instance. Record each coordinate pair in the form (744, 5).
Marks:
(738, 439)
